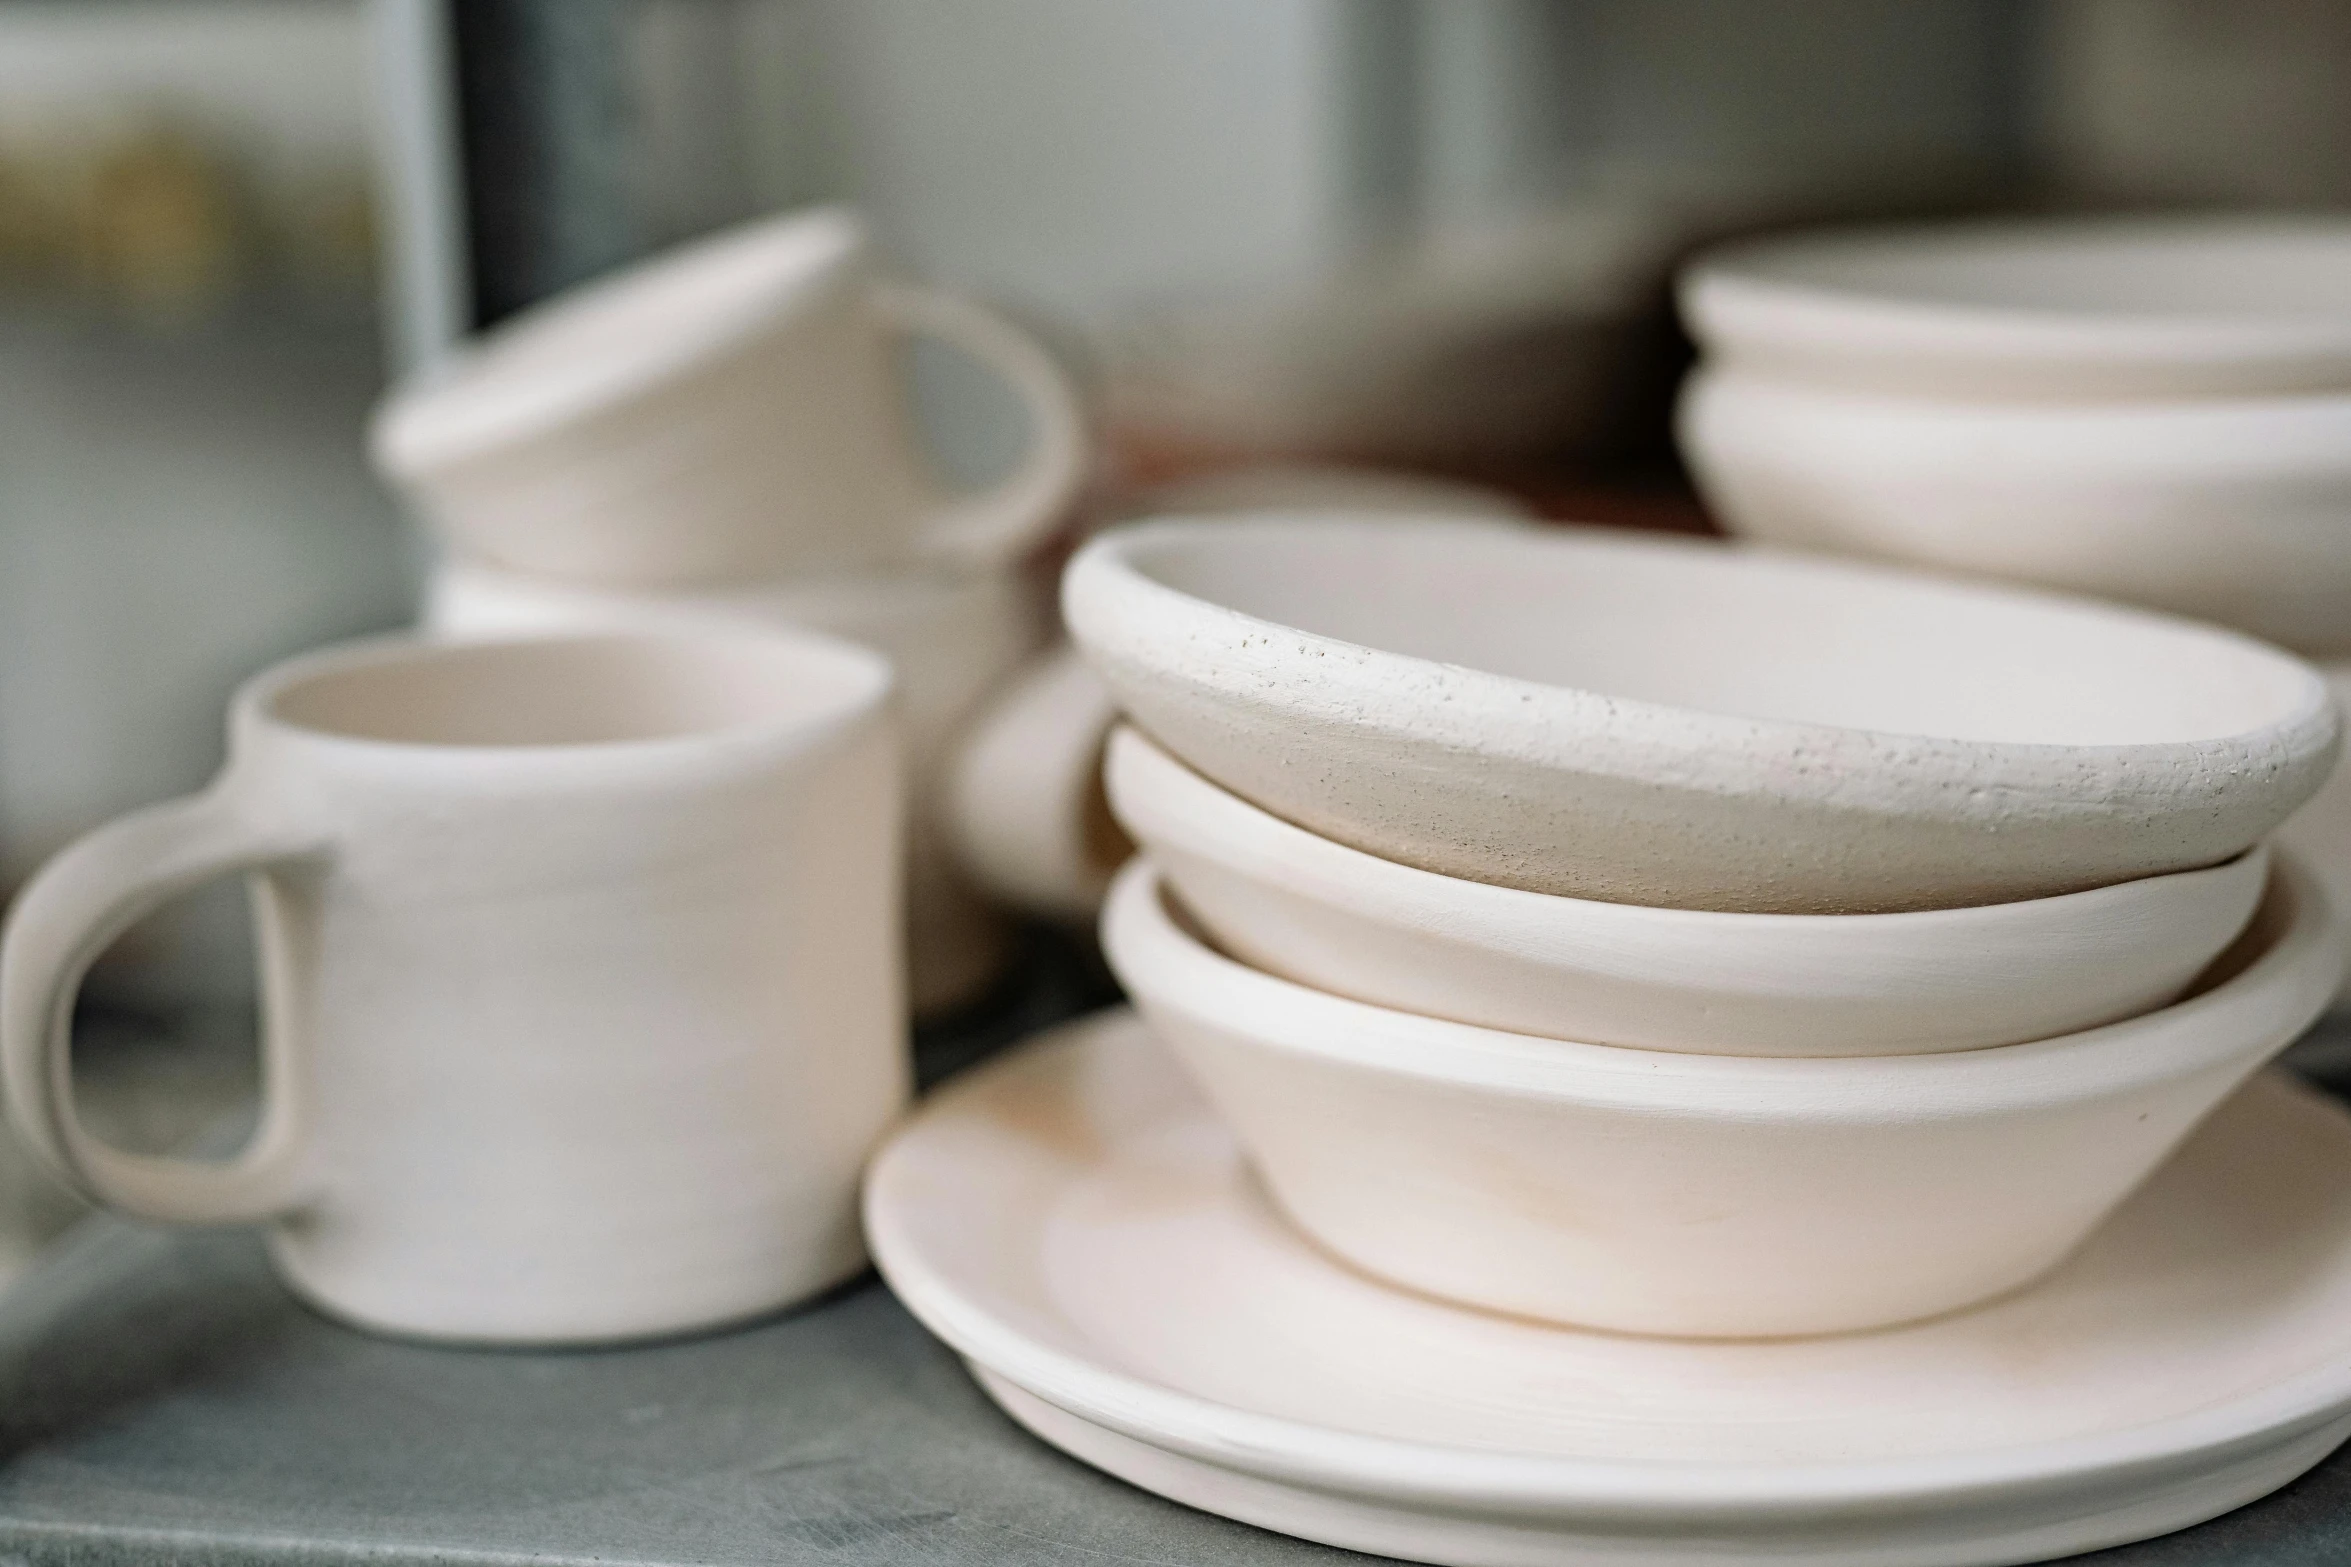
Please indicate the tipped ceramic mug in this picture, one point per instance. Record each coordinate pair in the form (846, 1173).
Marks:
(582, 1005)
(730, 410)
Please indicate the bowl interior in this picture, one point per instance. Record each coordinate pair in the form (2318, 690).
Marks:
(2265, 270)
(1743, 633)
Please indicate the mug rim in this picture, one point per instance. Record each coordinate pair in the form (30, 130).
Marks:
(868, 687)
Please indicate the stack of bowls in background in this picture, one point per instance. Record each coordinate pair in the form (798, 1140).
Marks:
(2156, 410)
(1673, 938)
(722, 435)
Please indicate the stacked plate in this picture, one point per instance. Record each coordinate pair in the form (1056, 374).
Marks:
(1677, 1041)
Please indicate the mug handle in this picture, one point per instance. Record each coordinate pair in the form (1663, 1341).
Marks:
(1000, 522)
(79, 902)
(1025, 812)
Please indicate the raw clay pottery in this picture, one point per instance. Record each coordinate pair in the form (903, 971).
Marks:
(954, 639)
(1030, 818)
(2041, 311)
(1077, 1224)
(727, 411)
(1706, 1195)
(2320, 833)
(2230, 509)
(1025, 806)
(1680, 723)
(1283, 900)
(583, 1003)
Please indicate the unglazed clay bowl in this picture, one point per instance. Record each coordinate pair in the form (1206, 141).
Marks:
(1704, 1195)
(1680, 723)
(2231, 509)
(2320, 832)
(2042, 311)
(1285, 901)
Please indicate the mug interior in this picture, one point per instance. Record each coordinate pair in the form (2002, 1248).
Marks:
(1743, 634)
(576, 691)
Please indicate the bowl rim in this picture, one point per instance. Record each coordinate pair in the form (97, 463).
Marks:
(1756, 295)
(1112, 603)
(2294, 949)
(1144, 778)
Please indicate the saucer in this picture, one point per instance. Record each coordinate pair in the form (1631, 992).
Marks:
(1078, 1225)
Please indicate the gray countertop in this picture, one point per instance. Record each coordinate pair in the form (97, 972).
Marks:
(162, 1400)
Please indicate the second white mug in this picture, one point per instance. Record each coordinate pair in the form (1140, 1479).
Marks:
(727, 412)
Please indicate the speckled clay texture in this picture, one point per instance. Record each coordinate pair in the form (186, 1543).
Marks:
(1713, 727)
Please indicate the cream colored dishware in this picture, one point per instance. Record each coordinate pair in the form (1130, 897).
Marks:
(727, 411)
(582, 991)
(2046, 311)
(2230, 509)
(1079, 1225)
(953, 637)
(2151, 409)
(1285, 901)
(1688, 724)
(1711, 1196)
(1025, 806)
(2320, 833)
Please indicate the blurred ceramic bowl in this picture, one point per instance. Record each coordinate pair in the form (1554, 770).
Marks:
(1683, 724)
(2042, 310)
(1702, 1195)
(1285, 901)
(954, 639)
(2236, 510)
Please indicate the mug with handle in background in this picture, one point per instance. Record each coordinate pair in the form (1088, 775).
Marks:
(728, 411)
(582, 994)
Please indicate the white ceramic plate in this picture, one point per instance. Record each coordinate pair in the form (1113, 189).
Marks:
(1077, 1225)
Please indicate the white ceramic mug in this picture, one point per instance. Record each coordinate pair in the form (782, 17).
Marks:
(953, 638)
(582, 1004)
(728, 411)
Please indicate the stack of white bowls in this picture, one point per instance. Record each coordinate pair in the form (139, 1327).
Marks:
(721, 435)
(2156, 410)
(1669, 937)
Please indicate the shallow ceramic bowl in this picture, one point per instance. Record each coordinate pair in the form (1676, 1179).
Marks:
(2040, 310)
(1285, 901)
(1704, 1195)
(2231, 509)
(1685, 724)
